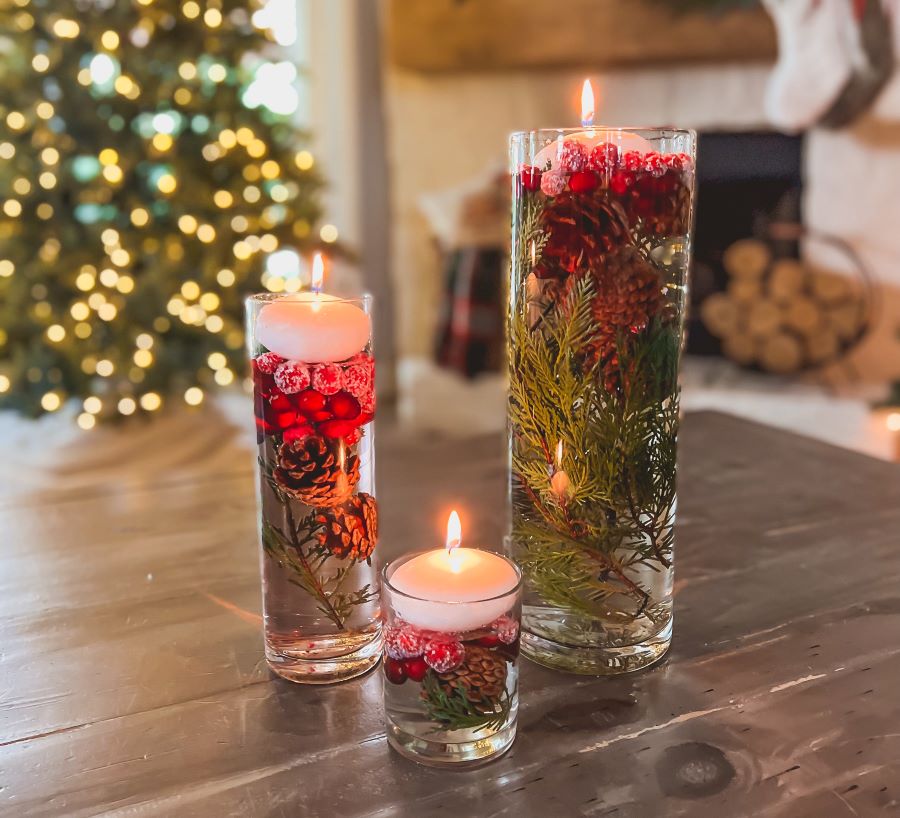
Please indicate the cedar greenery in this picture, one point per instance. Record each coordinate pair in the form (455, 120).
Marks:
(455, 711)
(619, 445)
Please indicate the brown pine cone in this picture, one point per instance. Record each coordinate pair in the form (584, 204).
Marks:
(310, 470)
(482, 675)
(629, 294)
(350, 530)
(581, 230)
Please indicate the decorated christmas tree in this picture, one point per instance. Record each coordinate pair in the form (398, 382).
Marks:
(150, 173)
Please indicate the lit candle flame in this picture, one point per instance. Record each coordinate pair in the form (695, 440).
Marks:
(316, 279)
(454, 531)
(587, 104)
(533, 253)
(318, 273)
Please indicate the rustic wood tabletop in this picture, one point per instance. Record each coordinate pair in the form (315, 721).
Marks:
(132, 680)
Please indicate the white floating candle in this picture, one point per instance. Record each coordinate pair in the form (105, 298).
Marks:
(453, 589)
(624, 140)
(313, 327)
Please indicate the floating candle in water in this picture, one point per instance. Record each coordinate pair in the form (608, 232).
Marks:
(313, 327)
(453, 589)
(551, 154)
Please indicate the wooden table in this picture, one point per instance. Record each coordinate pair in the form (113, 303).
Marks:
(132, 680)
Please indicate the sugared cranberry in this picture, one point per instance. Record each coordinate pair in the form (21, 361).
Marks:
(394, 670)
(604, 157)
(444, 655)
(654, 164)
(530, 177)
(298, 432)
(292, 377)
(416, 668)
(632, 160)
(268, 362)
(402, 641)
(326, 378)
(553, 183)
(584, 181)
(572, 156)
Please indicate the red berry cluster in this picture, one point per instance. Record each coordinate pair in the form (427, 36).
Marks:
(295, 399)
(411, 651)
(651, 186)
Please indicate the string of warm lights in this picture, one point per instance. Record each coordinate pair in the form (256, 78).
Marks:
(157, 198)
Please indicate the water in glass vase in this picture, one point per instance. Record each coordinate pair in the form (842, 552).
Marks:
(601, 247)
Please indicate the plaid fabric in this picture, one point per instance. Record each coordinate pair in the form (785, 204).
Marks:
(470, 326)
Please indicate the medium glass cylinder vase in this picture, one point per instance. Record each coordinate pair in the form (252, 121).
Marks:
(314, 403)
(601, 245)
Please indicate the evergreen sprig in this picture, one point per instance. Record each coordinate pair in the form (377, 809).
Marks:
(455, 711)
(578, 550)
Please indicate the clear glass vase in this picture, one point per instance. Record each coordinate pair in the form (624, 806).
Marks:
(451, 693)
(317, 509)
(601, 245)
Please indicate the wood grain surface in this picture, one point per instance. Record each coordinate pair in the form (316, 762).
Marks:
(444, 36)
(132, 680)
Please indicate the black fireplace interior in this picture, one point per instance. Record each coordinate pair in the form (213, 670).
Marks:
(745, 182)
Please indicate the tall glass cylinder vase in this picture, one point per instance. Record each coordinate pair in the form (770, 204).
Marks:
(600, 251)
(314, 403)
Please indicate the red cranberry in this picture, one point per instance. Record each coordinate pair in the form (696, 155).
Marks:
(416, 668)
(584, 181)
(394, 670)
(489, 641)
(632, 160)
(299, 432)
(281, 403)
(604, 157)
(335, 429)
(343, 406)
(309, 401)
(620, 182)
(530, 177)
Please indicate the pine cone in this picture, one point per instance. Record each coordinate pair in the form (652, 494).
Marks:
(482, 675)
(629, 294)
(350, 530)
(581, 230)
(310, 470)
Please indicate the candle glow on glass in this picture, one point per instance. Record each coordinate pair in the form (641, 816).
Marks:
(317, 278)
(559, 480)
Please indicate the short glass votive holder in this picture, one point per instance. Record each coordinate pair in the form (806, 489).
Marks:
(451, 673)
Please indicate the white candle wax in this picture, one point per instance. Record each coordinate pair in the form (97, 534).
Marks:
(313, 327)
(455, 591)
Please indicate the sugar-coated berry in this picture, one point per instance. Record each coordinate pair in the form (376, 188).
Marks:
(415, 668)
(292, 377)
(394, 670)
(357, 380)
(572, 156)
(268, 362)
(443, 655)
(654, 164)
(553, 183)
(343, 406)
(530, 177)
(583, 181)
(402, 641)
(604, 157)
(507, 629)
(326, 378)
(632, 160)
